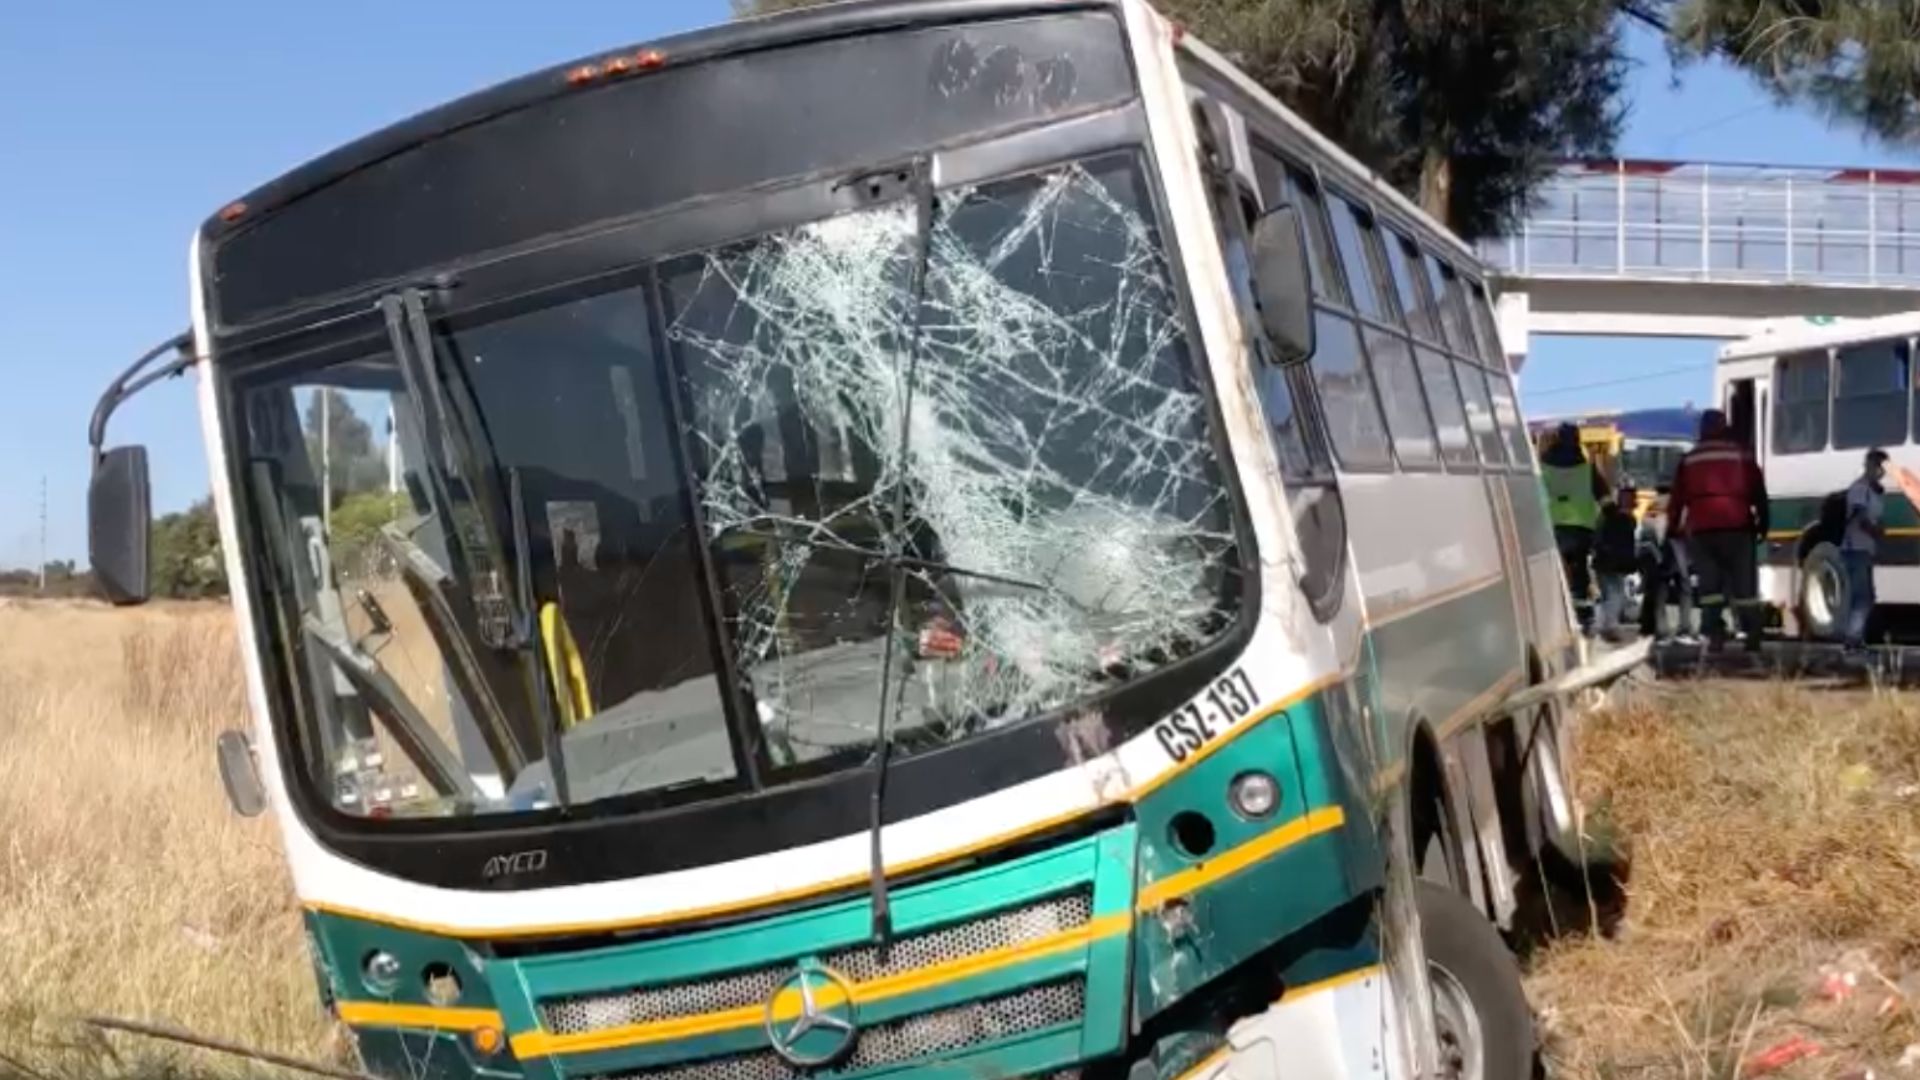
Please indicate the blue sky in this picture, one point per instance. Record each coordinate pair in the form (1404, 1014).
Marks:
(123, 130)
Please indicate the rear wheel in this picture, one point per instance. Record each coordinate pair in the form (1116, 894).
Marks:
(1479, 1008)
(1822, 605)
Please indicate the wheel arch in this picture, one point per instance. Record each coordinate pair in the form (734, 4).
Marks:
(1432, 803)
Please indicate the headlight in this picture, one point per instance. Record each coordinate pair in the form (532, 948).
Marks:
(1254, 794)
(381, 970)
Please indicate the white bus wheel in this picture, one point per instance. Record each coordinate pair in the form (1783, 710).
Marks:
(1823, 593)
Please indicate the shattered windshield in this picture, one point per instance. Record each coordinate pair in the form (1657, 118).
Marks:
(720, 471)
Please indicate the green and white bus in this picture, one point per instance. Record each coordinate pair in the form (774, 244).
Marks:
(1811, 398)
(927, 537)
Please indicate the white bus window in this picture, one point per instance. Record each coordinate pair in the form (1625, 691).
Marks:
(1346, 395)
(1486, 433)
(1351, 228)
(1403, 259)
(1406, 406)
(1449, 416)
(1446, 299)
(1304, 193)
(1505, 410)
(1800, 403)
(1481, 314)
(1870, 394)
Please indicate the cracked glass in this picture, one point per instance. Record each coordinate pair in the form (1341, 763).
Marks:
(1024, 438)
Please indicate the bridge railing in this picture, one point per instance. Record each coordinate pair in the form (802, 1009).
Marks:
(1694, 221)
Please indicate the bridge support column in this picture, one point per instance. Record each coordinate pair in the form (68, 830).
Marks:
(1511, 312)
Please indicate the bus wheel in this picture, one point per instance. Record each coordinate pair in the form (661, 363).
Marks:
(1823, 593)
(1480, 1012)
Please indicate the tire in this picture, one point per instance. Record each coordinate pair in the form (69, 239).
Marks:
(1480, 1011)
(1822, 600)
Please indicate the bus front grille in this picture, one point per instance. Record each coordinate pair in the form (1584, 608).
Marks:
(755, 987)
(942, 1031)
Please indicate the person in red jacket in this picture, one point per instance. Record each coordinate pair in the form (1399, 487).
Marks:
(1719, 505)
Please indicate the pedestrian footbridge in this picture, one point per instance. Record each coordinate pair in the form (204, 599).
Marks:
(1699, 249)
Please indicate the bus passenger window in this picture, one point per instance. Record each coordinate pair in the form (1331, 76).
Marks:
(1800, 403)
(1347, 395)
(1870, 394)
(1303, 192)
(1446, 299)
(1473, 386)
(1484, 327)
(1406, 406)
(1449, 416)
(1351, 229)
(1505, 410)
(1404, 259)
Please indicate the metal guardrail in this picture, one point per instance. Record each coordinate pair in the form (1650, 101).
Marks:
(1692, 221)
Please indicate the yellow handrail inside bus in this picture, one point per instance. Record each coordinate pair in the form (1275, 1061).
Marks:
(564, 665)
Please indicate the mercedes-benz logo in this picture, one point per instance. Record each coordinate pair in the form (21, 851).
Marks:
(824, 1029)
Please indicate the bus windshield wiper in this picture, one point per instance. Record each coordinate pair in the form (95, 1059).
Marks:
(506, 620)
(896, 558)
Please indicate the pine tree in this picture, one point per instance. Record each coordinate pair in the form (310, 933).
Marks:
(1857, 59)
(1465, 105)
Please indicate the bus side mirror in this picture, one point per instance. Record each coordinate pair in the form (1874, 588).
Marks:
(238, 774)
(1281, 287)
(119, 520)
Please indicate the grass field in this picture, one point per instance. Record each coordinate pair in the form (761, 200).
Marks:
(127, 887)
(1773, 830)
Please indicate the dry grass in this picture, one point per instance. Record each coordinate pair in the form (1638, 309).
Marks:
(1774, 829)
(1761, 850)
(127, 887)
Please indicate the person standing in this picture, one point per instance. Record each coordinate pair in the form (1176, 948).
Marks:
(1719, 506)
(1664, 575)
(1615, 558)
(1860, 543)
(1574, 490)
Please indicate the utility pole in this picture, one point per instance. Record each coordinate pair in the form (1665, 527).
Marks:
(393, 453)
(43, 533)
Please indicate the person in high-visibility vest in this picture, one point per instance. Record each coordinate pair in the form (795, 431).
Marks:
(1575, 490)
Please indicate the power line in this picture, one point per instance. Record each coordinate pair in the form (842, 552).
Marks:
(43, 532)
(1690, 369)
(1644, 14)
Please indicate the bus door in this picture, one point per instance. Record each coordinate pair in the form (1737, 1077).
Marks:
(1742, 416)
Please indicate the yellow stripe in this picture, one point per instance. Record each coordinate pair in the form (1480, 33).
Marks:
(787, 1004)
(383, 1014)
(1794, 534)
(1295, 993)
(1234, 860)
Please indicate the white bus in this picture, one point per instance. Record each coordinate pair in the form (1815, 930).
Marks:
(956, 538)
(1811, 399)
